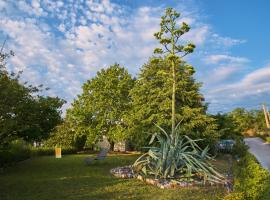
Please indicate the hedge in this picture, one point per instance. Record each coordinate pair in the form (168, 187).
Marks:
(252, 182)
(19, 151)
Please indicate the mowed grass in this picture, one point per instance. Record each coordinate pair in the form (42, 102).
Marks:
(68, 178)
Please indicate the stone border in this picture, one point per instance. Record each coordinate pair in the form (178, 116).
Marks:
(127, 172)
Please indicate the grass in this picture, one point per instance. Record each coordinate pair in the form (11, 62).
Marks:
(68, 178)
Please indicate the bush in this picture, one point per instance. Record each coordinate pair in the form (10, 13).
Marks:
(18, 150)
(239, 149)
(47, 151)
(267, 139)
(252, 182)
(234, 196)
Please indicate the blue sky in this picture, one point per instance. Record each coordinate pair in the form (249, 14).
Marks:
(63, 43)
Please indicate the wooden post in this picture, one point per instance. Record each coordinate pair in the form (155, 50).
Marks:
(266, 115)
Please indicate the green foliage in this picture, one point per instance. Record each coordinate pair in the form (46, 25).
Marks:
(242, 118)
(151, 103)
(48, 151)
(166, 92)
(23, 113)
(17, 150)
(176, 156)
(267, 139)
(234, 196)
(251, 180)
(63, 135)
(103, 107)
(239, 148)
(240, 122)
(227, 127)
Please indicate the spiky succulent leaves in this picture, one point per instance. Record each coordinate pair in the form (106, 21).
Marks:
(177, 157)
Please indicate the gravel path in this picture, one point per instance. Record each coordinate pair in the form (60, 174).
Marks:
(261, 150)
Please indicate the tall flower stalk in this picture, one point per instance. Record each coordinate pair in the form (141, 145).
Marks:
(168, 37)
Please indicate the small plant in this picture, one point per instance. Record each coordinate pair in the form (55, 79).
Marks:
(251, 180)
(239, 149)
(176, 156)
(18, 150)
(267, 139)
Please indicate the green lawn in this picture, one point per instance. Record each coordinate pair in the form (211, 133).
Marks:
(68, 178)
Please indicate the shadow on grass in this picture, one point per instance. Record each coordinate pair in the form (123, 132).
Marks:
(68, 178)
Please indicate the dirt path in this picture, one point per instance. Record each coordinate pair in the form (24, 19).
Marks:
(261, 150)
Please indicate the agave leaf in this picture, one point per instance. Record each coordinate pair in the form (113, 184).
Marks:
(179, 123)
(163, 131)
(144, 170)
(176, 155)
(152, 138)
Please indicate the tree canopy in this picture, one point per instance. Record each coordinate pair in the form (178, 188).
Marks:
(151, 101)
(23, 112)
(103, 106)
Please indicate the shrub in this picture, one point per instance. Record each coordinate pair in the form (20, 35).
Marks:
(239, 149)
(18, 150)
(48, 151)
(63, 135)
(267, 139)
(234, 196)
(252, 182)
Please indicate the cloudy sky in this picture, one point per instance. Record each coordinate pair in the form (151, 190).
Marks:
(63, 43)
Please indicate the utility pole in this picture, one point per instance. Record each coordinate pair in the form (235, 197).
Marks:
(266, 115)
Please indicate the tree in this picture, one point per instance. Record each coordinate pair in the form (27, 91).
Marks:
(151, 102)
(41, 115)
(23, 113)
(169, 36)
(63, 135)
(248, 122)
(103, 106)
(227, 127)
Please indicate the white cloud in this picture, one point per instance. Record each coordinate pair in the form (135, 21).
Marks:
(197, 35)
(63, 44)
(225, 41)
(218, 58)
(258, 76)
(222, 73)
(254, 83)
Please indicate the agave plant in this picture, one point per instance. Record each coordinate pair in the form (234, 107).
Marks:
(176, 157)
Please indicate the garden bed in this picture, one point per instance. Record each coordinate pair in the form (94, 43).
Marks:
(128, 172)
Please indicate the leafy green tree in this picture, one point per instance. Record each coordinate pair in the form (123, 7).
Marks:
(240, 122)
(63, 135)
(248, 122)
(151, 102)
(166, 91)
(41, 115)
(227, 127)
(103, 106)
(242, 118)
(169, 37)
(259, 120)
(23, 113)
